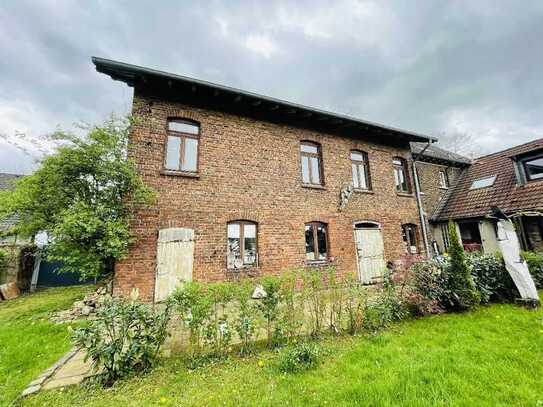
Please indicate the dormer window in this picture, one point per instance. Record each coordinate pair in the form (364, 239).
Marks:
(533, 168)
(443, 179)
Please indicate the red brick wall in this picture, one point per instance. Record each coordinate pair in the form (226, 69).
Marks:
(251, 170)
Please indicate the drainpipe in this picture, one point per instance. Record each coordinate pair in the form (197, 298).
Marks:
(419, 201)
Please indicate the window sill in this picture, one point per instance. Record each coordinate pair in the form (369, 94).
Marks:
(244, 269)
(319, 263)
(405, 194)
(180, 174)
(363, 191)
(313, 186)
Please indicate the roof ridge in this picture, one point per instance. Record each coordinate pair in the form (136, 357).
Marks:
(510, 148)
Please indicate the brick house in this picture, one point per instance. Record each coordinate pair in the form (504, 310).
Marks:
(252, 185)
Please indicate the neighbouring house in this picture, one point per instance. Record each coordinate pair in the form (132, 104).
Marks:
(438, 171)
(19, 263)
(510, 180)
(253, 185)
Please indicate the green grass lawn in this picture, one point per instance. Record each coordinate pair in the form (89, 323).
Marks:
(489, 357)
(29, 343)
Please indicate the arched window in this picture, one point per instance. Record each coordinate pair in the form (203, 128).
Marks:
(360, 170)
(401, 178)
(242, 244)
(310, 154)
(409, 235)
(182, 146)
(316, 241)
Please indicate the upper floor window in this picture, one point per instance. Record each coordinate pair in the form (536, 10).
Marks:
(443, 179)
(316, 241)
(400, 175)
(360, 170)
(533, 168)
(311, 163)
(409, 235)
(182, 146)
(242, 244)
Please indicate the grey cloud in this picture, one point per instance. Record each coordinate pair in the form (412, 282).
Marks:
(431, 67)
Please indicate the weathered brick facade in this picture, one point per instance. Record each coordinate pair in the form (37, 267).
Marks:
(250, 169)
(431, 191)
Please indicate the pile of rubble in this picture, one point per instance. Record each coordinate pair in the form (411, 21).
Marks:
(86, 308)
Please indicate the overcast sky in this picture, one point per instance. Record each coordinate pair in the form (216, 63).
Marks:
(435, 67)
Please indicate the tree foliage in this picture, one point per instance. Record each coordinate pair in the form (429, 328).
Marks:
(460, 282)
(82, 196)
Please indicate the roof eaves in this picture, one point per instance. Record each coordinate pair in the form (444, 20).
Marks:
(129, 74)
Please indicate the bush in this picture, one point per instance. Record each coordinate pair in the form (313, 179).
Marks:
(218, 333)
(535, 265)
(426, 281)
(291, 318)
(303, 356)
(355, 300)
(269, 307)
(245, 322)
(491, 279)
(461, 291)
(194, 307)
(336, 289)
(124, 339)
(313, 286)
(386, 309)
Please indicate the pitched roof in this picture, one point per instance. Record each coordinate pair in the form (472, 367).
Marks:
(227, 98)
(7, 180)
(464, 202)
(6, 183)
(434, 153)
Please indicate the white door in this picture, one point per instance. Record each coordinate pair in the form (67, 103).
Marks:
(175, 252)
(370, 254)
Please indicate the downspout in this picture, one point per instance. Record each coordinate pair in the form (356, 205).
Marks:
(419, 201)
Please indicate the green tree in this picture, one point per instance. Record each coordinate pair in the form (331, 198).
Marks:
(462, 292)
(82, 196)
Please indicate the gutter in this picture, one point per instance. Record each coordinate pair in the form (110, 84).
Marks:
(419, 200)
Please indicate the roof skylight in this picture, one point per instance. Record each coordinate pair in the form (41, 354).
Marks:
(483, 182)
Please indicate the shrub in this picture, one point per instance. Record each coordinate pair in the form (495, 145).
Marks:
(313, 293)
(355, 300)
(535, 265)
(245, 323)
(194, 306)
(491, 279)
(292, 311)
(269, 305)
(218, 333)
(300, 357)
(336, 290)
(426, 281)
(386, 309)
(461, 290)
(124, 339)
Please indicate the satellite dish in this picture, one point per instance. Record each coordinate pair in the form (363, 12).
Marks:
(238, 263)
